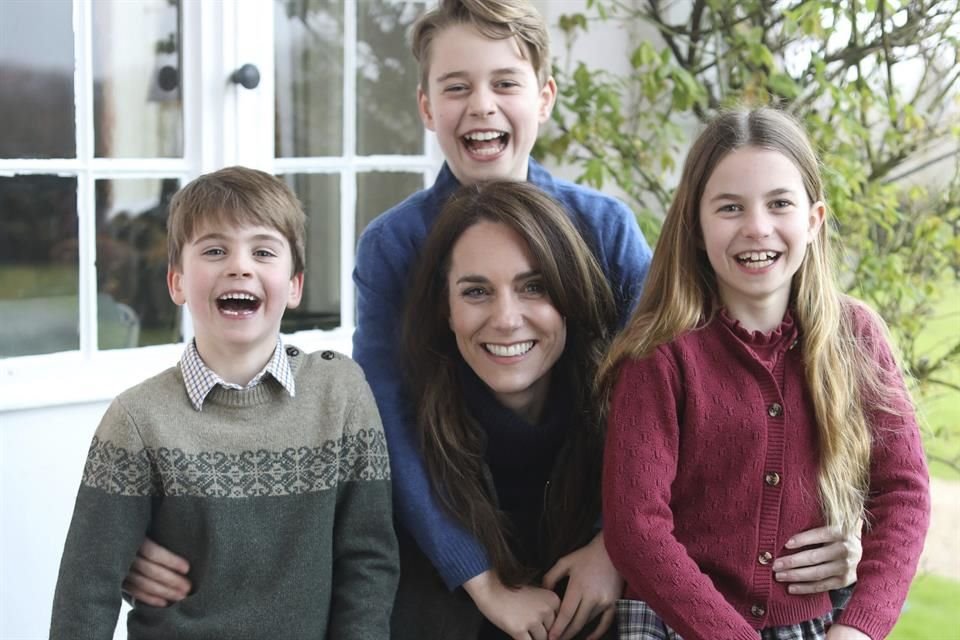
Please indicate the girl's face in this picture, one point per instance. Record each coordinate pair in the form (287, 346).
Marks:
(757, 221)
(506, 327)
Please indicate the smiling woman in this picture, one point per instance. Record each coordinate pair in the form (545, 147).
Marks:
(508, 318)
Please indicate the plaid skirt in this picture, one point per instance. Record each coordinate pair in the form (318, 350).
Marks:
(637, 621)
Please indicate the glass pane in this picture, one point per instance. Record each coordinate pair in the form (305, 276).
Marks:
(36, 80)
(133, 306)
(136, 68)
(387, 77)
(309, 77)
(320, 307)
(377, 192)
(39, 270)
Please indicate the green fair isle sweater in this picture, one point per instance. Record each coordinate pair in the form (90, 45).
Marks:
(281, 504)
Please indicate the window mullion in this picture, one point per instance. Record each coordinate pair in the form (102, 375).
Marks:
(348, 179)
(86, 205)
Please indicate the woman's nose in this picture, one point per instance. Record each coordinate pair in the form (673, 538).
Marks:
(508, 314)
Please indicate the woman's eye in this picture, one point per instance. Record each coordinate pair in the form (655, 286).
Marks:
(781, 204)
(535, 288)
(730, 208)
(474, 292)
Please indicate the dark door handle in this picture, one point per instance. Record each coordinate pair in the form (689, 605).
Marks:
(247, 76)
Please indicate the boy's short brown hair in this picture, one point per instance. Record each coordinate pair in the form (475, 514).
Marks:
(236, 196)
(493, 19)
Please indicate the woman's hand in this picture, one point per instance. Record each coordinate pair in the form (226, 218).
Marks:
(522, 613)
(843, 632)
(831, 565)
(157, 576)
(593, 587)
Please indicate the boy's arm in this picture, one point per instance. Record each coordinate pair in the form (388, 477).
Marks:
(110, 518)
(365, 558)
(623, 253)
(898, 505)
(640, 463)
(382, 278)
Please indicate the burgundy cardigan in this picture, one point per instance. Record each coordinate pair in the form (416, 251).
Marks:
(711, 464)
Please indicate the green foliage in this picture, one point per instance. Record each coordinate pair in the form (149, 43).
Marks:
(877, 85)
(931, 610)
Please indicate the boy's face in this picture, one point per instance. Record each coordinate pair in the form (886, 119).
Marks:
(484, 103)
(237, 282)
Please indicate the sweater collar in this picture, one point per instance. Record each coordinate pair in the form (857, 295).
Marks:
(507, 433)
(447, 183)
(200, 380)
(786, 330)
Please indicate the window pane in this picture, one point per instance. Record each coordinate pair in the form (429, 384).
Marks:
(320, 307)
(377, 192)
(309, 77)
(38, 265)
(387, 77)
(136, 67)
(36, 80)
(133, 306)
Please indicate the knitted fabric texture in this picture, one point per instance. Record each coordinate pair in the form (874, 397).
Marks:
(280, 504)
(711, 465)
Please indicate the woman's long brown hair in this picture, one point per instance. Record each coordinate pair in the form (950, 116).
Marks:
(451, 439)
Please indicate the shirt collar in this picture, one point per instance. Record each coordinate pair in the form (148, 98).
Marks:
(200, 380)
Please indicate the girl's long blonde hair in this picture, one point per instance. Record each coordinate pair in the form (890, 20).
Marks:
(680, 295)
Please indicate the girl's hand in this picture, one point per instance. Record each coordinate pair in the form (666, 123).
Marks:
(831, 565)
(157, 576)
(843, 632)
(593, 587)
(523, 613)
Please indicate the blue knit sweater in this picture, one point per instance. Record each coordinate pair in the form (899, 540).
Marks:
(386, 254)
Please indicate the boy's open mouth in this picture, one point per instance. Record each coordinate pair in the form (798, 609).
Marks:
(237, 303)
(486, 143)
(758, 259)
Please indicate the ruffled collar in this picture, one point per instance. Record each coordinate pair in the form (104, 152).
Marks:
(787, 330)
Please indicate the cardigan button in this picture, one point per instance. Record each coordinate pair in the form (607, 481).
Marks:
(757, 611)
(793, 344)
(328, 355)
(775, 410)
(772, 478)
(765, 558)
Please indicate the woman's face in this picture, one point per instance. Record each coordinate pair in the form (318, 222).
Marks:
(507, 329)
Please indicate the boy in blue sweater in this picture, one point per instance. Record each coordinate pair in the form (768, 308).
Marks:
(485, 89)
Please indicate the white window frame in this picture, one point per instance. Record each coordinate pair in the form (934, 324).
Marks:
(216, 37)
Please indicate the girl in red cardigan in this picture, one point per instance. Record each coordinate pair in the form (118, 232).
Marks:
(750, 399)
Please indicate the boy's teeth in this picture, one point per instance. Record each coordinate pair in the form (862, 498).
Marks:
(237, 296)
(507, 350)
(482, 136)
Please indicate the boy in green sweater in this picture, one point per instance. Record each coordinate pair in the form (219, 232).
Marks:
(264, 466)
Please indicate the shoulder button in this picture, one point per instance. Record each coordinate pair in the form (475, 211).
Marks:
(328, 355)
(293, 351)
